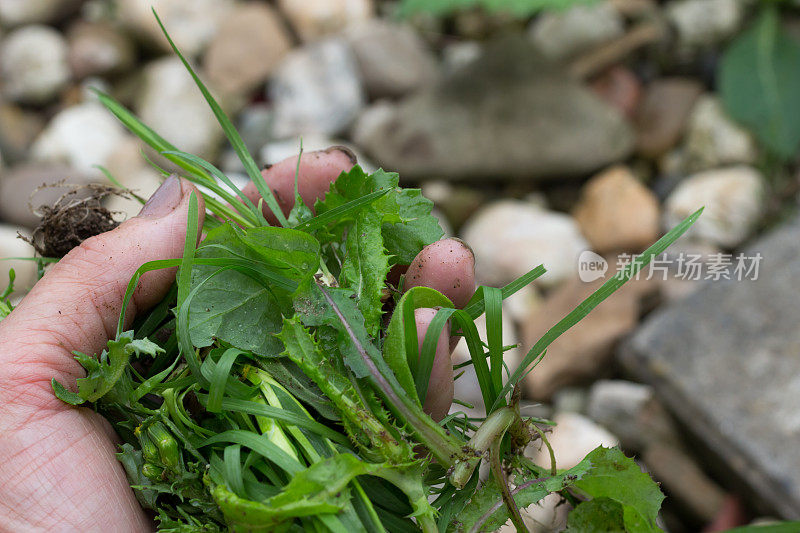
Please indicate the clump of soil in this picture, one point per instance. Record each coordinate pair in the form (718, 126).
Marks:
(73, 218)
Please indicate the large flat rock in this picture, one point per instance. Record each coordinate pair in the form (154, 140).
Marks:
(726, 360)
(508, 115)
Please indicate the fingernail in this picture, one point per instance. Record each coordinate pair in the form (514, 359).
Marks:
(345, 150)
(164, 200)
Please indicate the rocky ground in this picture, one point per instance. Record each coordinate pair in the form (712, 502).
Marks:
(597, 128)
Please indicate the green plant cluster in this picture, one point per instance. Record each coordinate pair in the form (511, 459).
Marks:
(278, 385)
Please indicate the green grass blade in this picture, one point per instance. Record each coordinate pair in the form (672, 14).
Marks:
(583, 309)
(233, 136)
(147, 267)
(259, 444)
(260, 409)
(149, 136)
(336, 213)
(219, 379)
(233, 469)
(475, 307)
(493, 300)
(255, 214)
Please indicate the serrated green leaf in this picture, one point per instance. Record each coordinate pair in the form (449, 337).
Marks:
(64, 394)
(600, 515)
(759, 79)
(365, 267)
(103, 373)
(619, 478)
(406, 223)
(486, 510)
(322, 488)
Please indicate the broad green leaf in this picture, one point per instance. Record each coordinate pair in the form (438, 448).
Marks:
(234, 307)
(365, 267)
(759, 80)
(600, 515)
(619, 478)
(401, 346)
(486, 510)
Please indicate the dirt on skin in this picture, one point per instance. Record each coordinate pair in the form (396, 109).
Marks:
(73, 218)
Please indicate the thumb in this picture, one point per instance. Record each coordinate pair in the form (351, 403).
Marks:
(76, 305)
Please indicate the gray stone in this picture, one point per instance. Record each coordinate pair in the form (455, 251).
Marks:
(316, 90)
(33, 64)
(250, 43)
(725, 361)
(560, 34)
(191, 25)
(99, 49)
(393, 59)
(18, 129)
(505, 115)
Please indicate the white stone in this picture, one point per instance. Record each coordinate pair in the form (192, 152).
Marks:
(82, 136)
(191, 24)
(511, 237)
(701, 23)
(560, 34)
(521, 304)
(733, 200)
(713, 139)
(316, 90)
(573, 437)
(12, 246)
(18, 12)
(33, 64)
(312, 19)
(173, 106)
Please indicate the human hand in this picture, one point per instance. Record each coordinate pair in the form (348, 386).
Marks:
(59, 470)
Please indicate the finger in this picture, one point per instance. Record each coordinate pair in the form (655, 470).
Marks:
(448, 266)
(77, 303)
(317, 171)
(440, 385)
